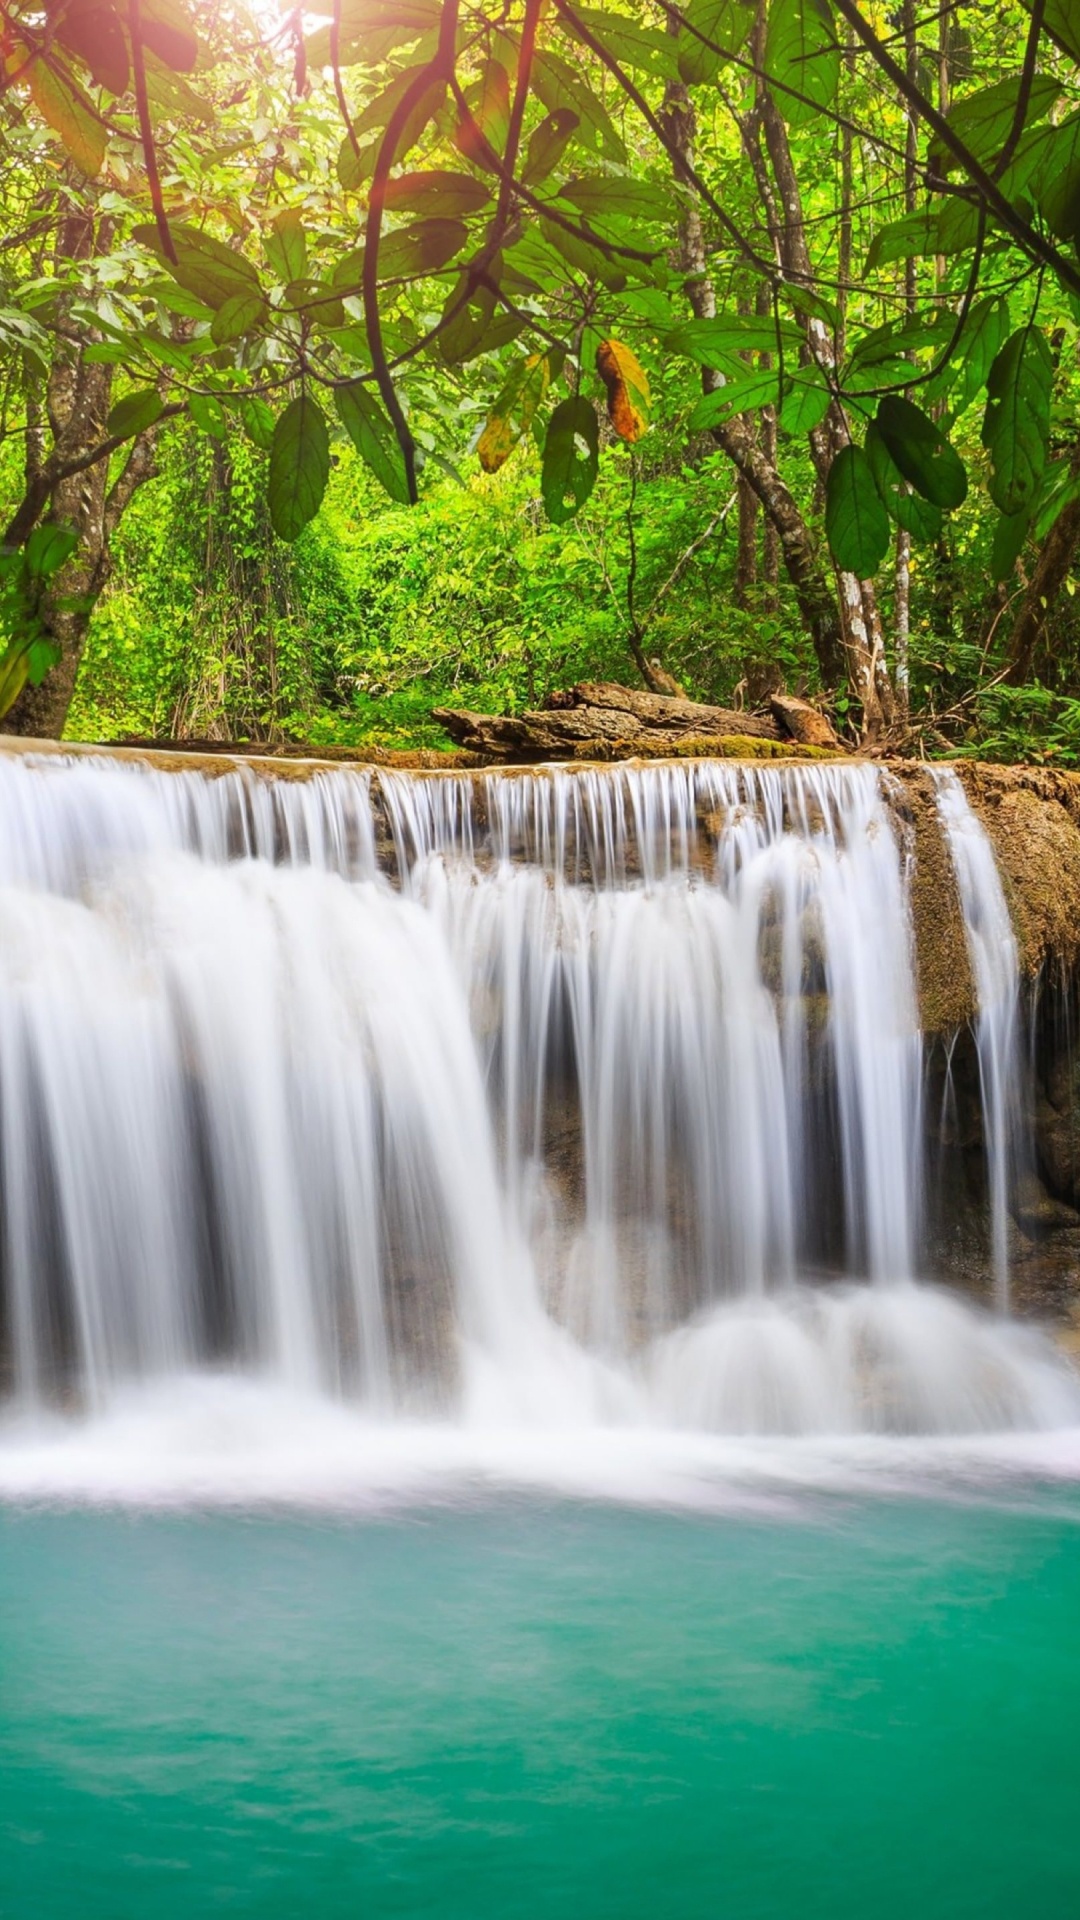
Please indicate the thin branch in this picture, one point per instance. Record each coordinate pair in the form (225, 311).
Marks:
(339, 85)
(578, 228)
(759, 72)
(689, 554)
(1032, 242)
(441, 66)
(1024, 94)
(23, 521)
(146, 132)
(684, 168)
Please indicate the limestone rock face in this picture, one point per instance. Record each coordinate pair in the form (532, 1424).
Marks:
(1032, 817)
(1057, 1125)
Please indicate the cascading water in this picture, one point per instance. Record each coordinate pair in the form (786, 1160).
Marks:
(991, 945)
(517, 1098)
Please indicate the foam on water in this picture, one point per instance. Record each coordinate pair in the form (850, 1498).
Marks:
(352, 1139)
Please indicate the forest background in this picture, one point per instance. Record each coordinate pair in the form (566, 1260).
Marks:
(418, 354)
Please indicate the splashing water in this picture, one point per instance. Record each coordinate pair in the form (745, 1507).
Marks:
(526, 1099)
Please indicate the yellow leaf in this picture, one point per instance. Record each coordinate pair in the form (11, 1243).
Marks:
(68, 113)
(627, 389)
(514, 411)
(496, 443)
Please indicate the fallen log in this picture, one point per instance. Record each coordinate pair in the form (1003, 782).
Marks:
(599, 720)
(675, 714)
(802, 722)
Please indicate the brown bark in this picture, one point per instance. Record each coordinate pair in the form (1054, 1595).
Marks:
(862, 635)
(770, 542)
(802, 721)
(67, 487)
(1056, 556)
(602, 721)
(816, 601)
(746, 570)
(660, 710)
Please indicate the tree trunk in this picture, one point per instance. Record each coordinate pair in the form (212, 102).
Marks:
(1055, 558)
(746, 562)
(76, 406)
(902, 619)
(862, 639)
(816, 601)
(770, 542)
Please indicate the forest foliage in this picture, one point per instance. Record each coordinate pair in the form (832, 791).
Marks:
(425, 350)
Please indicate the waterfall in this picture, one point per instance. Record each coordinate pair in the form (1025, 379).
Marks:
(991, 945)
(571, 1096)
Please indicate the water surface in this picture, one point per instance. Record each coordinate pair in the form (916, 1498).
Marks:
(834, 1706)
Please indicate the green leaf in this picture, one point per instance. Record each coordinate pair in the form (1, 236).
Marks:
(958, 227)
(726, 23)
(646, 49)
(856, 522)
(93, 32)
(548, 143)
(41, 656)
(758, 389)
(135, 412)
(910, 511)
(354, 168)
(176, 355)
(320, 302)
(419, 249)
(1062, 23)
(1010, 534)
(169, 295)
(571, 458)
(1016, 424)
(381, 110)
(984, 335)
(257, 420)
(709, 342)
(207, 414)
(922, 453)
(601, 197)
(172, 98)
(285, 245)
(481, 135)
(369, 31)
(983, 120)
(813, 305)
(1058, 184)
(371, 431)
(905, 239)
(802, 52)
(468, 322)
(557, 84)
(436, 194)
(299, 466)
(805, 405)
(1057, 489)
(583, 256)
(240, 315)
(168, 32)
(48, 548)
(922, 332)
(213, 272)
